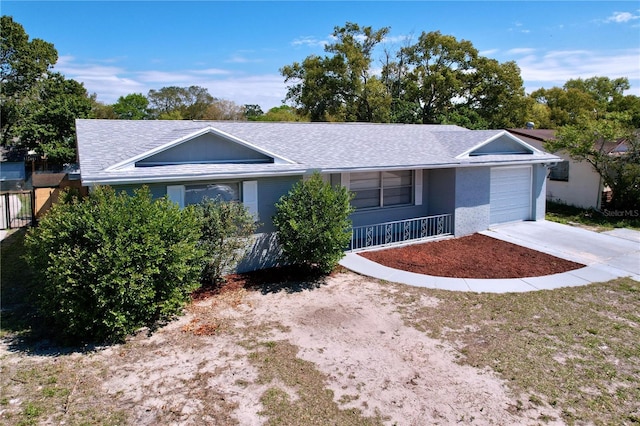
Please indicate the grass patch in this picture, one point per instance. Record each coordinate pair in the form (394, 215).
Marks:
(576, 349)
(298, 395)
(18, 311)
(570, 215)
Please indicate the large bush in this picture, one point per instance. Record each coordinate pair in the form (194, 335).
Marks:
(313, 223)
(226, 228)
(113, 263)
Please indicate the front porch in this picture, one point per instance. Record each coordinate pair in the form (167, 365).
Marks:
(401, 231)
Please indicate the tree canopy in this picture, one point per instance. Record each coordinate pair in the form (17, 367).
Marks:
(438, 79)
(39, 107)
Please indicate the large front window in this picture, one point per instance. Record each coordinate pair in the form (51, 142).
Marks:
(382, 189)
(194, 194)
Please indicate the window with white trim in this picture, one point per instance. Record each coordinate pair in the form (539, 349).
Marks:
(382, 189)
(227, 191)
(245, 191)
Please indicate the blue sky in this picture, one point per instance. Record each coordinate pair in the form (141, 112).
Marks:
(235, 49)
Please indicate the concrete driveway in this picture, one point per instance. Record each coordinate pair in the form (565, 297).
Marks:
(614, 252)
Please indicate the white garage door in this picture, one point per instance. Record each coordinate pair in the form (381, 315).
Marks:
(510, 194)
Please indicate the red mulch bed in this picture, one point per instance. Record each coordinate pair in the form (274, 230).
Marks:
(474, 256)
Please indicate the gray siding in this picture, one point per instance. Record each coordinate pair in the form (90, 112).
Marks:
(269, 192)
(472, 200)
(502, 145)
(441, 191)
(207, 147)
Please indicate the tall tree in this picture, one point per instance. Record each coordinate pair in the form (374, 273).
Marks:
(565, 105)
(438, 70)
(180, 103)
(39, 107)
(23, 65)
(49, 125)
(222, 109)
(253, 112)
(134, 106)
(341, 86)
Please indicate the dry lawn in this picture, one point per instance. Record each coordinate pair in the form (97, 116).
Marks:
(349, 350)
(345, 350)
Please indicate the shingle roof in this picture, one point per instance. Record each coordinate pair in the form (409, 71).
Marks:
(310, 146)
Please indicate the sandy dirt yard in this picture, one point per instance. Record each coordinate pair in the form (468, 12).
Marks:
(203, 368)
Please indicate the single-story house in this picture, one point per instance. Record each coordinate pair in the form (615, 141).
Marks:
(410, 181)
(571, 182)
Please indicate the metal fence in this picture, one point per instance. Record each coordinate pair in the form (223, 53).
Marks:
(16, 209)
(400, 231)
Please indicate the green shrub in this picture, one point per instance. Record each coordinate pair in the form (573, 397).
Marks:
(313, 223)
(113, 263)
(226, 228)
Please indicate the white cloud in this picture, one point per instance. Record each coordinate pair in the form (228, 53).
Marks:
(554, 68)
(521, 51)
(309, 41)
(111, 82)
(622, 17)
(488, 52)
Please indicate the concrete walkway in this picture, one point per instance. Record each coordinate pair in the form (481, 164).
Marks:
(607, 256)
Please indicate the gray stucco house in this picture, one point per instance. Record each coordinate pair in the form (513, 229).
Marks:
(416, 180)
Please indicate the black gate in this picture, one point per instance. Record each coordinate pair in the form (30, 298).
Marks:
(17, 209)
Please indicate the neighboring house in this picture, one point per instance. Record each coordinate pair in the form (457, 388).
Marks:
(570, 182)
(465, 179)
(12, 175)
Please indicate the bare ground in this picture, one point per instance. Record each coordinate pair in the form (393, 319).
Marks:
(214, 365)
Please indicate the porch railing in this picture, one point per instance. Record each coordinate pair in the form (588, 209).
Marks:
(388, 233)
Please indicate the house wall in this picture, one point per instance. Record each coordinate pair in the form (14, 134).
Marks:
(472, 210)
(270, 190)
(440, 194)
(583, 188)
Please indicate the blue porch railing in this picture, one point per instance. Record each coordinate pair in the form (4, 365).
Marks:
(400, 231)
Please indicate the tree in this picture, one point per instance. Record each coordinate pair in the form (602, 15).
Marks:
(313, 224)
(495, 93)
(438, 68)
(23, 65)
(282, 113)
(113, 263)
(48, 125)
(565, 105)
(180, 103)
(134, 106)
(221, 109)
(591, 139)
(39, 107)
(226, 228)
(340, 87)
(100, 110)
(253, 112)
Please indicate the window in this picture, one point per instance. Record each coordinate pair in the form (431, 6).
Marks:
(560, 171)
(382, 189)
(228, 191)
